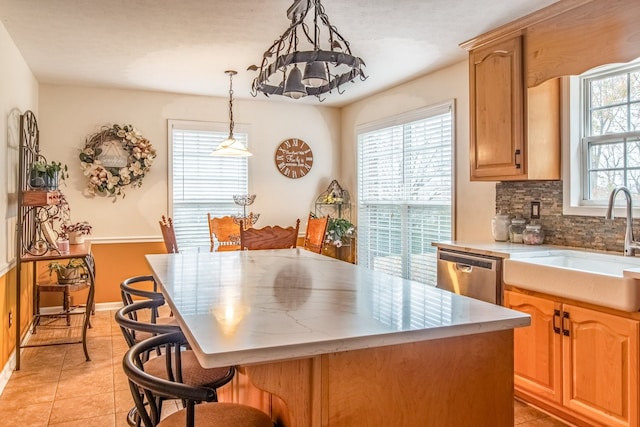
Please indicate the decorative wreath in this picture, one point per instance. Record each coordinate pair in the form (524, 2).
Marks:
(116, 157)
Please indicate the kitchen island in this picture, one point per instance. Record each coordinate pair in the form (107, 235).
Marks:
(320, 342)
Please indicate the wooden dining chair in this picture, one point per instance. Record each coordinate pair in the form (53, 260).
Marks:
(269, 237)
(225, 231)
(168, 235)
(200, 401)
(315, 235)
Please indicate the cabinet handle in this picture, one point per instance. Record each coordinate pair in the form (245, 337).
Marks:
(517, 161)
(556, 314)
(565, 331)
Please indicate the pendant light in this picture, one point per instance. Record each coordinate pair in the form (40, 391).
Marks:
(326, 58)
(231, 147)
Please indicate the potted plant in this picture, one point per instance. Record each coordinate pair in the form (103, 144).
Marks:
(44, 175)
(77, 231)
(339, 231)
(73, 270)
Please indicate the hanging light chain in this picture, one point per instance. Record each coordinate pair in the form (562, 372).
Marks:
(231, 73)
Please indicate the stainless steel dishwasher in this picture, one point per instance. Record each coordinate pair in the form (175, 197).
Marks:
(473, 275)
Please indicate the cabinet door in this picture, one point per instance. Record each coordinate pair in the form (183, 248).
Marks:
(497, 110)
(600, 358)
(537, 348)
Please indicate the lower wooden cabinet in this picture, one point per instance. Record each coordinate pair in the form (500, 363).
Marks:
(577, 362)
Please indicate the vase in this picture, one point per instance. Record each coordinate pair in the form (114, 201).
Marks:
(63, 246)
(76, 237)
(37, 179)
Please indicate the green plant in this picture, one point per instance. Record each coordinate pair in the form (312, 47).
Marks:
(53, 171)
(339, 231)
(60, 267)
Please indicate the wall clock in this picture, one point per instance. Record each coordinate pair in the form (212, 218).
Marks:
(294, 158)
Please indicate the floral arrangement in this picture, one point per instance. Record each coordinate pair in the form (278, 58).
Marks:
(110, 179)
(82, 227)
(339, 231)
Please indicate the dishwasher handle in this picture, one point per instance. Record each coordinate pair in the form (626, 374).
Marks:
(466, 262)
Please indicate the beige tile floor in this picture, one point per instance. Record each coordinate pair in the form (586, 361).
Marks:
(57, 387)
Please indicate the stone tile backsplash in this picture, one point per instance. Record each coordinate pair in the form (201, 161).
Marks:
(567, 230)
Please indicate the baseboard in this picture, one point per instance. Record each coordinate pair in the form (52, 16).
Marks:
(10, 366)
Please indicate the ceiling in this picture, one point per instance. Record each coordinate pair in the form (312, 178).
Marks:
(184, 46)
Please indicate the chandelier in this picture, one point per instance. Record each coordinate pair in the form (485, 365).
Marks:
(324, 69)
(231, 147)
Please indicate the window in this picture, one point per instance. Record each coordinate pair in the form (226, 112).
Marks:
(611, 134)
(601, 148)
(405, 192)
(201, 183)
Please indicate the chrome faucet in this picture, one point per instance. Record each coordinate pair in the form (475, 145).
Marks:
(630, 245)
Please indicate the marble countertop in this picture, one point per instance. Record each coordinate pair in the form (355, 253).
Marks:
(507, 249)
(496, 249)
(247, 307)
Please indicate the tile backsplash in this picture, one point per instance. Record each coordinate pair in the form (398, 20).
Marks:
(567, 230)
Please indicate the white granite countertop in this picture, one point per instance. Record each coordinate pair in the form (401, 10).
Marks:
(248, 307)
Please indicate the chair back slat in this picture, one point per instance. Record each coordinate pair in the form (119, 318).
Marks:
(168, 235)
(269, 237)
(315, 234)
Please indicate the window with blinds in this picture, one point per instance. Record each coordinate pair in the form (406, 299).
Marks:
(201, 183)
(405, 192)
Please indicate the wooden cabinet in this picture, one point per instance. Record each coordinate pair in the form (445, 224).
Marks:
(496, 99)
(576, 361)
(515, 132)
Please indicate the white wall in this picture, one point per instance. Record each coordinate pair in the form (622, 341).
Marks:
(18, 90)
(475, 201)
(68, 114)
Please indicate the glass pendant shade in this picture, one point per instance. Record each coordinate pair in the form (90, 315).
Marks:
(293, 87)
(315, 74)
(231, 147)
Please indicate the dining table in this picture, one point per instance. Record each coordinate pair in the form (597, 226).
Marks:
(322, 342)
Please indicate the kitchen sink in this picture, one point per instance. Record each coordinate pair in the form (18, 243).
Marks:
(598, 278)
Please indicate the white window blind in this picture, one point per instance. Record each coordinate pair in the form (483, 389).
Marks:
(405, 192)
(201, 183)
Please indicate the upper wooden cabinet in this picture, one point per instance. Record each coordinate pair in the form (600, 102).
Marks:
(515, 133)
(496, 101)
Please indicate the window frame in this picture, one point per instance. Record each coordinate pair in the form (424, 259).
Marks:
(575, 144)
(406, 204)
(240, 130)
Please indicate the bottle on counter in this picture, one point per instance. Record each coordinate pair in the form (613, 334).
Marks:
(516, 229)
(500, 226)
(533, 235)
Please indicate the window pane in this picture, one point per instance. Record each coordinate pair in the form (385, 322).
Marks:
(633, 153)
(602, 182)
(633, 182)
(634, 83)
(609, 90)
(605, 156)
(609, 120)
(634, 113)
